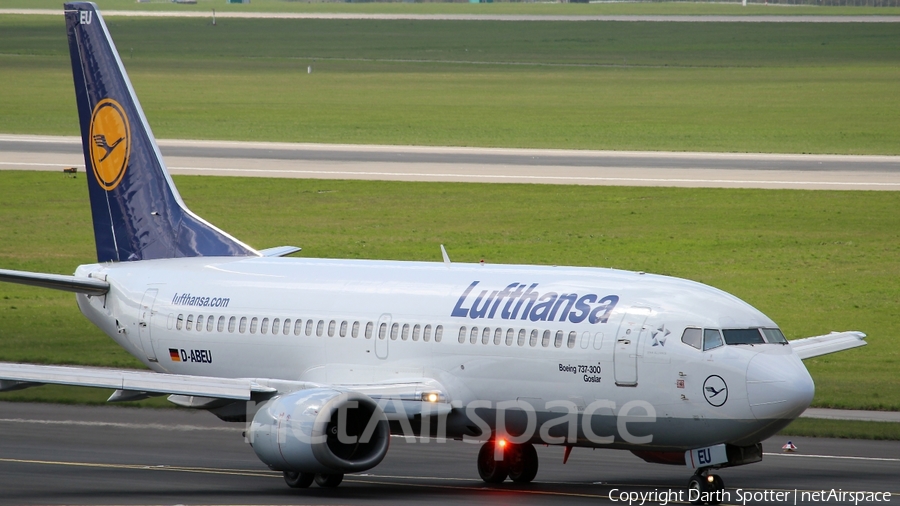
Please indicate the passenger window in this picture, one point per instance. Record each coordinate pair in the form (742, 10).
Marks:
(438, 333)
(320, 328)
(287, 326)
(473, 335)
(179, 322)
(221, 325)
(711, 339)
(355, 331)
(232, 323)
(416, 330)
(521, 339)
(545, 341)
(265, 326)
(743, 336)
(426, 335)
(405, 334)
(462, 335)
(276, 326)
(382, 331)
(598, 340)
(253, 324)
(190, 322)
(585, 340)
(243, 326)
(331, 325)
(498, 336)
(573, 336)
(774, 336)
(693, 337)
(343, 329)
(369, 327)
(395, 329)
(309, 327)
(199, 326)
(559, 339)
(210, 323)
(298, 327)
(532, 341)
(510, 335)
(485, 335)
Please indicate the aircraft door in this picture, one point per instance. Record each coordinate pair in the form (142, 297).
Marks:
(145, 318)
(382, 331)
(625, 356)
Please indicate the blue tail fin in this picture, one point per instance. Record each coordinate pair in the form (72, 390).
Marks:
(138, 214)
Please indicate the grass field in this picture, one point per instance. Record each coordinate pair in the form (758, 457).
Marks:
(670, 8)
(816, 88)
(844, 429)
(815, 261)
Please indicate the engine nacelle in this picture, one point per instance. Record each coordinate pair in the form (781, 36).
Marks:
(320, 431)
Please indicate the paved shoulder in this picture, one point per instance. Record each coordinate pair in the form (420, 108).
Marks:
(487, 165)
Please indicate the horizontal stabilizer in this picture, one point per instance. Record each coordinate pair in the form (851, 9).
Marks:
(279, 251)
(56, 281)
(146, 382)
(830, 343)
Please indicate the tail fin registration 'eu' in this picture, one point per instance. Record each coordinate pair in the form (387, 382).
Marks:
(138, 214)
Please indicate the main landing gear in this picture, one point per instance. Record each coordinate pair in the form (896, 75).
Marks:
(303, 480)
(705, 488)
(519, 462)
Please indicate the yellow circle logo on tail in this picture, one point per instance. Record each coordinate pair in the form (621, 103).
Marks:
(110, 143)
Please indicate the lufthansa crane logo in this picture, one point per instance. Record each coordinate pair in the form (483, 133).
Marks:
(110, 143)
(715, 390)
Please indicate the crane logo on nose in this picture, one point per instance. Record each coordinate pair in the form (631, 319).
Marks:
(715, 390)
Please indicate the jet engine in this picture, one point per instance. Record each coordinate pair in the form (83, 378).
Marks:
(320, 430)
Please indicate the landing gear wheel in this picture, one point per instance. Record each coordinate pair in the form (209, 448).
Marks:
(704, 489)
(697, 489)
(490, 470)
(522, 462)
(329, 480)
(296, 479)
(717, 485)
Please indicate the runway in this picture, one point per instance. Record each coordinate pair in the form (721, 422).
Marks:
(52, 454)
(486, 165)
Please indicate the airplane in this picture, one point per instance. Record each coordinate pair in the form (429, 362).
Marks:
(326, 359)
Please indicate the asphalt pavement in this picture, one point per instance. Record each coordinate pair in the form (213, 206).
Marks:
(53, 454)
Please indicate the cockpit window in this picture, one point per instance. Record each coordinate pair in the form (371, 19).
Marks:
(774, 336)
(711, 339)
(693, 337)
(743, 336)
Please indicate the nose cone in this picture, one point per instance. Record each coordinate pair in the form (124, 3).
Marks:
(778, 385)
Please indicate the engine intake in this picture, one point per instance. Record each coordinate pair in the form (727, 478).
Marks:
(320, 431)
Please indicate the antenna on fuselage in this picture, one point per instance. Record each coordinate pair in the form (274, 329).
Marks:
(445, 255)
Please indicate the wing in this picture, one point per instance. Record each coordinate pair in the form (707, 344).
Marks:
(19, 376)
(406, 397)
(89, 286)
(822, 345)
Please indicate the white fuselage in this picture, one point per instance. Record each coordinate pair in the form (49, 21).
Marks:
(599, 335)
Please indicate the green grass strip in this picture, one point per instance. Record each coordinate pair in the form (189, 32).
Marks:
(844, 429)
(618, 8)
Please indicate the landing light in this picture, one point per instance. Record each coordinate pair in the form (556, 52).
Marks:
(710, 478)
(431, 397)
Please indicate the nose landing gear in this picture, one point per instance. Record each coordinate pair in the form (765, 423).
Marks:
(705, 488)
(519, 462)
